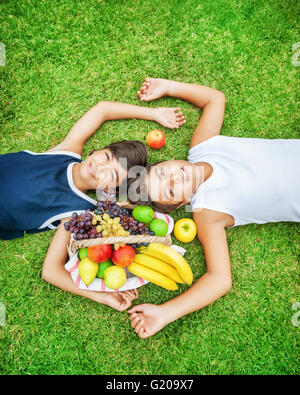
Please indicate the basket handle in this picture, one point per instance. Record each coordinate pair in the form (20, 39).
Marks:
(126, 204)
(74, 245)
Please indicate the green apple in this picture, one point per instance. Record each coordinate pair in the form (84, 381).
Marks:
(143, 214)
(159, 227)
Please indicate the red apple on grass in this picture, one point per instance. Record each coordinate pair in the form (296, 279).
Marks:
(156, 139)
(124, 256)
(99, 253)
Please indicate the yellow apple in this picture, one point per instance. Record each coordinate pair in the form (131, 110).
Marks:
(185, 230)
(114, 277)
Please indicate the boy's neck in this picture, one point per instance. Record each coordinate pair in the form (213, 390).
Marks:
(207, 170)
(79, 184)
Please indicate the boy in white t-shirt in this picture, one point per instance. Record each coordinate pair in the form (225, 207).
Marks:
(228, 181)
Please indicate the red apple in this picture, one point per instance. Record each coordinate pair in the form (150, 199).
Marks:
(156, 139)
(123, 256)
(99, 253)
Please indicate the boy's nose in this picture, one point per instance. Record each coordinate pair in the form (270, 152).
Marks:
(178, 177)
(101, 172)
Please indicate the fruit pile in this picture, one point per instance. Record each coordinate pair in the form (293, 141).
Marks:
(155, 262)
(158, 263)
(104, 262)
(109, 219)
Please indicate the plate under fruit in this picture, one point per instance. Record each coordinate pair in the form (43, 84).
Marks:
(98, 284)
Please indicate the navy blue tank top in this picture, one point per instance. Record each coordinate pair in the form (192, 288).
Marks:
(37, 190)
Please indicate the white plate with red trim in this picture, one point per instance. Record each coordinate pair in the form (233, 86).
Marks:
(98, 284)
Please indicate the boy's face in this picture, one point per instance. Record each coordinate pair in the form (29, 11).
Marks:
(173, 182)
(101, 170)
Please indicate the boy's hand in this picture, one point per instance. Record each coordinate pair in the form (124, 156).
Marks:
(153, 88)
(147, 319)
(119, 300)
(169, 117)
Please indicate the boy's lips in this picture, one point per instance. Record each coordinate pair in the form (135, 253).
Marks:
(91, 170)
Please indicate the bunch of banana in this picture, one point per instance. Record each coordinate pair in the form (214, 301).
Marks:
(152, 275)
(162, 266)
(169, 255)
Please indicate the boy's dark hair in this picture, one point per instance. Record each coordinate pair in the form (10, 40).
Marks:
(135, 152)
(139, 184)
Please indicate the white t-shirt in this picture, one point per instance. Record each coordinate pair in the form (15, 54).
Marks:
(254, 180)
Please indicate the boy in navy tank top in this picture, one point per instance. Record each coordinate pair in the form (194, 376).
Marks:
(97, 171)
(37, 190)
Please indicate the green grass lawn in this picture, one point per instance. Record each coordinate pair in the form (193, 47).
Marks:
(64, 56)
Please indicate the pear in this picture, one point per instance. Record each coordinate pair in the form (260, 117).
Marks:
(88, 271)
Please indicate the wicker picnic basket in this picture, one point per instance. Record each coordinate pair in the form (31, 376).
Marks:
(74, 245)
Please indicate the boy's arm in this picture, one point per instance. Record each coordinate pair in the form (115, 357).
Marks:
(210, 100)
(212, 103)
(147, 319)
(93, 119)
(53, 269)
(216, 282)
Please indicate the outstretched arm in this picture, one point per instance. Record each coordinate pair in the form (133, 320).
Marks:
(216, 282)
(54, 273)
(210, 100)
(109, 111)
(148, 319)
(53, 269)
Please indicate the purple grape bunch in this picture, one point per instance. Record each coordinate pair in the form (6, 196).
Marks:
(82, 228)
(127, 221)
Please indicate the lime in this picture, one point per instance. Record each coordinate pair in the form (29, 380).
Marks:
(82, 253)
(102, 267)
(143, 214)
(159, 227)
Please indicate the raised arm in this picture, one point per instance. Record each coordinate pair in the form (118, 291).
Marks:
(210, 100)
(109, 111)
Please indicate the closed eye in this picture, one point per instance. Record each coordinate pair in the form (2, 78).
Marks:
(161, 173)
(115, 176)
